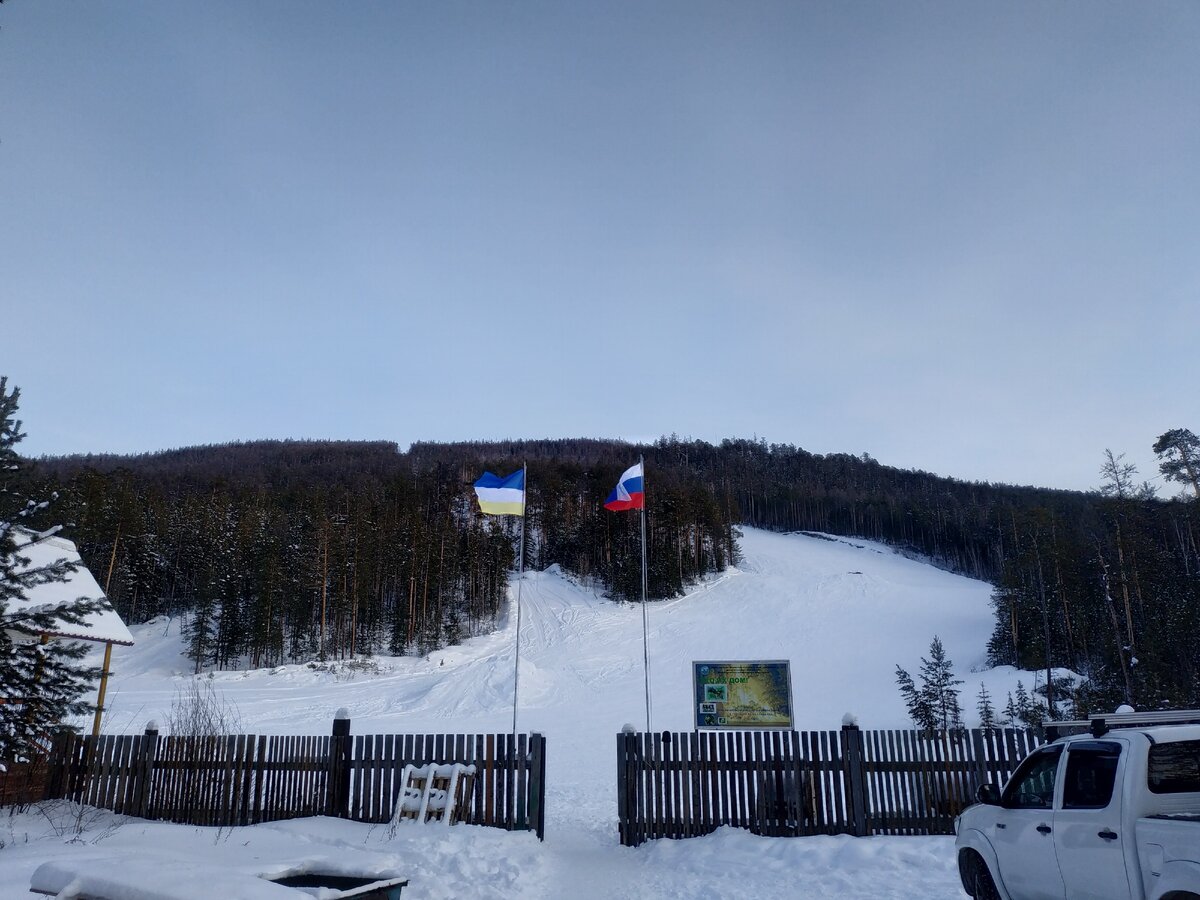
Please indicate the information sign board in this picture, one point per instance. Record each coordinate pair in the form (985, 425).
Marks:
(747, 694)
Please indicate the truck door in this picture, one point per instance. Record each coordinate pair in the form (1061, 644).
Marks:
(1088, 833)
(1023, 836)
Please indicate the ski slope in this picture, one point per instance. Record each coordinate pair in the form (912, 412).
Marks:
(845, 612)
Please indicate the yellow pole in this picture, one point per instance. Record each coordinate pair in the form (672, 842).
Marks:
(103, 686)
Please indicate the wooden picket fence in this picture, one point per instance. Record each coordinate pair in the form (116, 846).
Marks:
(245, 779)
(24, 782)
(792, 783)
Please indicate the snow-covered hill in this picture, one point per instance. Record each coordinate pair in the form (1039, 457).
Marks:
(844, 611)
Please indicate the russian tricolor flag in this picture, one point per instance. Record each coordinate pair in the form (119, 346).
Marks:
(629, 493)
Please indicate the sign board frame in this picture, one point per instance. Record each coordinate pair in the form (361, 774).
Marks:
(711, 681)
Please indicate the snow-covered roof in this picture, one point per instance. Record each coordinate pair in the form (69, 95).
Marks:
(104, 626)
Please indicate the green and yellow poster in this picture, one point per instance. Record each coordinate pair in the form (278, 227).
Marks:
(754, 694)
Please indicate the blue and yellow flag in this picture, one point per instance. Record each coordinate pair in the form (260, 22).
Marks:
(502, 496)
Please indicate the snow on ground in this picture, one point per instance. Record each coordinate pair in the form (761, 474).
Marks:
(844, 611)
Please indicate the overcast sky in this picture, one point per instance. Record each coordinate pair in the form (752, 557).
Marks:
(962, 237)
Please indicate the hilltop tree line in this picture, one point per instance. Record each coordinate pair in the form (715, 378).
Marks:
(292, 550)
(289, 551)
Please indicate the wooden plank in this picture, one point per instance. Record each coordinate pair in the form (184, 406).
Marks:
(127, 789)
(921, 748)
(714, 778)
(735, 777)
(832, 818)
(108, 784)
(317, 770)
(96, 761)
(793, 766)
(377, 790)
(504, 784)
(95, 767)
(245, 777)
(522, 782)
(272, 779)
(279, 776)
(695, 785)
(658, 773)
(510, 782)
(901, 811)
(258, 765)
(663, 752)
(757, 776)
(637, 764)
(928, 754)
(276, 777)
(672, 755)
(796, 749)
(187, 776)
(119, 776)
(768, 779)
(360, 792)
(207, 768)
(887, 786)
(488, 773)
(772, 783)
(303, 771)
(164, 780)
(735, 761)
(674, 783)
(118, 760)
(873, 784)
(901, 778)
(206, 780)
(917, 757)
(880, 805)
(220, 783)
(478, 757)
(622, 792)
(395, 749)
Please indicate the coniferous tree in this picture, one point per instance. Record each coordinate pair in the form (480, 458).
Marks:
(916, 702)
(41, 682)
(939, 686)
(1011, 715)
(1025, 710)
(1178, 451)
(983, 706)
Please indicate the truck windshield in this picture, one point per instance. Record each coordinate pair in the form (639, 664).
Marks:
(1174, 768)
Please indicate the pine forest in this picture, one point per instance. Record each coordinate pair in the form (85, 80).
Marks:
(275, 552)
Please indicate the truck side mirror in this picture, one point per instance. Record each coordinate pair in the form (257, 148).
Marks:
(988, 793)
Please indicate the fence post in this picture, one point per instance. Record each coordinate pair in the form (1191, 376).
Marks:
(536, 807)
(853, 756)
(629, 776)
(145, 770)
(338, 800)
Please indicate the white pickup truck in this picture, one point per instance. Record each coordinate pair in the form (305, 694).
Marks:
(1107, 815)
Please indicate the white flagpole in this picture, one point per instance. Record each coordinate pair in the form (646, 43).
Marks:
(520, 578)
(645, 627)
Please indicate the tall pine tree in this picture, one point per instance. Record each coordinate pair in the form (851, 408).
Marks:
(41, 682)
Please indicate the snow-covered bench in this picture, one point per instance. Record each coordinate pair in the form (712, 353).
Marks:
(434, 792)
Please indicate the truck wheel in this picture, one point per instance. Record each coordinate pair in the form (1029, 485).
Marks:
(982, 885)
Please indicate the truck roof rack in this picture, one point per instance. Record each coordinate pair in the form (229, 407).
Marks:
(1101, 723)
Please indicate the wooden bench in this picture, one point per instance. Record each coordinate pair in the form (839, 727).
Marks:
(434, 792)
